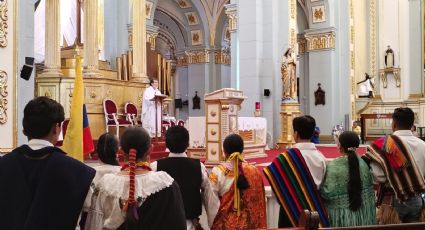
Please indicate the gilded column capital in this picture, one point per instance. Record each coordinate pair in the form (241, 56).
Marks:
(151, 35)
(198, 56)
(3, 23)
(320, 40)
(222, 56)
(232, 13)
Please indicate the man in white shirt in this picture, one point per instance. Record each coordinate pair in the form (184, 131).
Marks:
(303, 132)
(402, 123)
(151, 111)
(191, 175)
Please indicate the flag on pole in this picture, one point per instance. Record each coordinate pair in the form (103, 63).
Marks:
(78, 141)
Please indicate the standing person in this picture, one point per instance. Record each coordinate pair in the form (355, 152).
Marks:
(106, 148)
(137, 197)
(149, 108)
(398, 164)
(347, 188)
(41, 187)
(195, 191)
(311, 167)
(240, 188)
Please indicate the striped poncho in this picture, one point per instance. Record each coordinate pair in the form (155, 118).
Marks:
(294, 187)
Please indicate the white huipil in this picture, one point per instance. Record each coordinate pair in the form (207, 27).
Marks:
(148, 111)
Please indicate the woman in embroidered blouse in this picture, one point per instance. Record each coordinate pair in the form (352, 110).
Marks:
(347, 188)
(136, 197)
(240, 188)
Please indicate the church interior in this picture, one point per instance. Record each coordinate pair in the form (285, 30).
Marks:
(225, 66)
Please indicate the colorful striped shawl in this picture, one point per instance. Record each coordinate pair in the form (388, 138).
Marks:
(294, 187)
(398, 165)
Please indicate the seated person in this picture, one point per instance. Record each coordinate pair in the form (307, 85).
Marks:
(41, 187)
(194, 191)
(240, 188)
(137, 197)
(316, 136)
(347, 189)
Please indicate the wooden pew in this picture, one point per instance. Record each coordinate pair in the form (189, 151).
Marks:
(310, 221)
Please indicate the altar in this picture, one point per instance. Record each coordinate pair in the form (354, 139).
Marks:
(253, 131)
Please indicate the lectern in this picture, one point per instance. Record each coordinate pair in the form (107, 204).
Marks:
(221, 114)
(158, 99)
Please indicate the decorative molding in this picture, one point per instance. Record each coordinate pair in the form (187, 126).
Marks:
(302, 44)
(320, 41)
(222, 56)
(198, 56)
(352, 62)
(372, 42)
(292, 24)
(151, 35)
(149, 7)
(319, 13)
(213, 10)
(183, 4)
(196, 37)
(3, 23)
(232, 14)
(192, 18)
(182, 61)
(3, 97)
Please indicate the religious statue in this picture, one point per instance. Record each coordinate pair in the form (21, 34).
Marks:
(366, 87)
(389, 58)
(196, 101)
(289, 78)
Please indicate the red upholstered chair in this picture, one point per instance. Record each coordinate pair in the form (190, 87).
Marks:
(130, 111)
(112, 117)
(172, 123)
(180, 123)
(165, 126)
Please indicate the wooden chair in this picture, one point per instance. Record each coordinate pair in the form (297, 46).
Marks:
(132, 115)
(112, 117)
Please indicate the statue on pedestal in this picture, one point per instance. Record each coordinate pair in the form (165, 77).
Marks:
(389, 58)
(289, 77)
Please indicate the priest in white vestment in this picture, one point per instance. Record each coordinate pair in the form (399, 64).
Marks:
(148, 109)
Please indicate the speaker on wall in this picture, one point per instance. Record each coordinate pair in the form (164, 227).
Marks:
(26, 70)
(178, 104)
(266, 92)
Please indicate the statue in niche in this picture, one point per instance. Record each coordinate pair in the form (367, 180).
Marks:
(366, 87)
(389, 57)
(289, 78)
(196, 101)
(319, 96)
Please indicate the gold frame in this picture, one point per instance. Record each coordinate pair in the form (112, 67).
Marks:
(14, 73)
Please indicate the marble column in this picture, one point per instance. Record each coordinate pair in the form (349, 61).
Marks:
(91, 41)
(52, 61)
(139, 41)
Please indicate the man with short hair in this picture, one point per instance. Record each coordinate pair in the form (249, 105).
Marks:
(41, 187)
(398, 162)
(303, 127)
(191, 175)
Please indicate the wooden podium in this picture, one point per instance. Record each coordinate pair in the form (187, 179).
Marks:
(158, 99)
(221, 113)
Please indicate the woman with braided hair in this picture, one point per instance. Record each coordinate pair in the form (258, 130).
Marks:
(137, 197)
(347, 189)
(240, 189)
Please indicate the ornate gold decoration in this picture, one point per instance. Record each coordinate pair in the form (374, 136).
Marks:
(192, 18)
(302, 45)
(3, 97)
(213, 113)
(293, 8)
(222, 57)
(213, 151)
(196, 37)
(213, 132)
(151, 38)
(183, 4)
(352, 63)
(3, 23)
(182, 60)
(288, 112)
(49, 94)
(199, 56)
(320, 41)
(232, 14)
(384, 72)
(93, 94)
(372, 42)
(318, 14)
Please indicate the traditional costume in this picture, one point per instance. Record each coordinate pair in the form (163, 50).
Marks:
(151, 112)
(42, 188)
(398, 163)
(155, 197)
(334, 191)
(239, 209)
(292, 182)
(195, 191)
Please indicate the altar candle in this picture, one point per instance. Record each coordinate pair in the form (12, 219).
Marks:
(257, 106)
